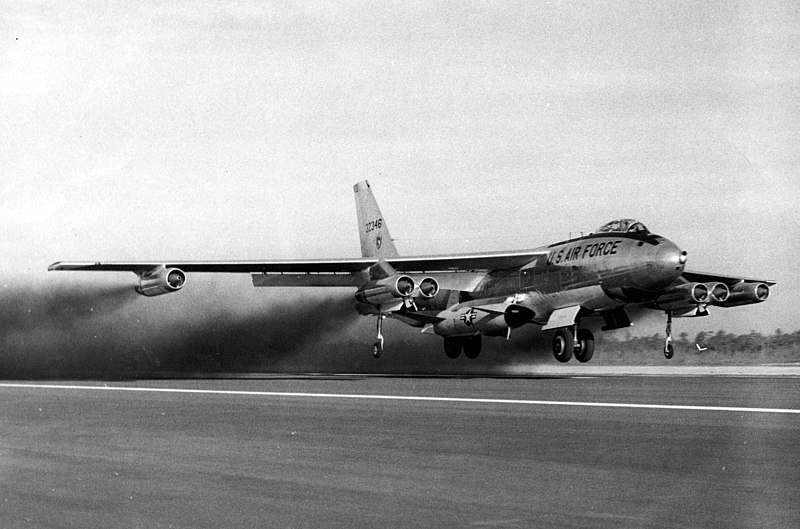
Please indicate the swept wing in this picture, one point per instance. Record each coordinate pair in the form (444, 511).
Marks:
(458, 272)
(703, 277)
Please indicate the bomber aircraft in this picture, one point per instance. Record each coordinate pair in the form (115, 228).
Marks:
(464, 297)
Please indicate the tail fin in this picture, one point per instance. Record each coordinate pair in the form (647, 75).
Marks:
(372, 228)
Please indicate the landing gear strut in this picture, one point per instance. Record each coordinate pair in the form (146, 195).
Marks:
(669, 349)
(377, 347)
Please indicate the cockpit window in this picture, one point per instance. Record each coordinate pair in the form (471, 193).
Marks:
(623, 226)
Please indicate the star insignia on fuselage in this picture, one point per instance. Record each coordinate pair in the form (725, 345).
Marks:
(469, 317)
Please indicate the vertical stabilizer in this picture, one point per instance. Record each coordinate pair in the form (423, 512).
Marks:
(372, 229)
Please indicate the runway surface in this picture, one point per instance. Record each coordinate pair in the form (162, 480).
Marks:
(344, 451)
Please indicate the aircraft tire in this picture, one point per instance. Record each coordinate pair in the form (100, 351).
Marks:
(563, 345)
(472, 346)
(377, 349)
(585, 349)
(453, 347)
(669, 350)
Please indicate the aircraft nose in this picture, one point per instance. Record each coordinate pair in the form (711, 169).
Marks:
(669, 260)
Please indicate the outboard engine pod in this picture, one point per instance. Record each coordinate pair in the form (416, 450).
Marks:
(160, 280)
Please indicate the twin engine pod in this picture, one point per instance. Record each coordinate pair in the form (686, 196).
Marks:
(395, 287)
(690, 295)
(160, 280)
(746, 293)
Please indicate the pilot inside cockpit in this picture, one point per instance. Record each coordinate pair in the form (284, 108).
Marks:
(623, 226)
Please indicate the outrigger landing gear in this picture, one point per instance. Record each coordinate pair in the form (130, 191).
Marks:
(377, 347)
(669, 349)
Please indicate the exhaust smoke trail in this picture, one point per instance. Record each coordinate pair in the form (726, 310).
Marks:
(69, 327)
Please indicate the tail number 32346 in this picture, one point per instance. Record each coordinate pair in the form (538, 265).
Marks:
(374, 225)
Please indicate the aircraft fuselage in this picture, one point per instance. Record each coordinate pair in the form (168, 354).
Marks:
(598, 272)
(619, 264)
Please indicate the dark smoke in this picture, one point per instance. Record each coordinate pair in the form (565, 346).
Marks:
(73, 326)
(59, 305)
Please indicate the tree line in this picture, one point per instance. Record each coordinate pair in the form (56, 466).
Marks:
(706, 347)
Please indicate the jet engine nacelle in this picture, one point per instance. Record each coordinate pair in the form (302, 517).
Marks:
(160, 280)
(428, 288)
(387, 290)
(718, 292)
(683, 297)
(746, 293)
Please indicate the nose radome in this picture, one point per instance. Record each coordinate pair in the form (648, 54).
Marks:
(670, 259)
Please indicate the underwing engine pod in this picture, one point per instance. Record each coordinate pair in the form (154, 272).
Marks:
(683, 297)
(386, 290)
(160, 280)
(428, 288)
(746, 293)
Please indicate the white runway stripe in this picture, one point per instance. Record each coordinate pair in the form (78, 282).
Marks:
(735, 409)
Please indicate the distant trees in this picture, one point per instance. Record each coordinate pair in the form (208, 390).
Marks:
(708, 347)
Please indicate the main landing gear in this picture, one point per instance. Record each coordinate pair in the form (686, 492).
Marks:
(470, 345)
(569, 342)
(669, 349)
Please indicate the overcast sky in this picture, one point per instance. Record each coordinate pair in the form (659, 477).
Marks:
(150, 131)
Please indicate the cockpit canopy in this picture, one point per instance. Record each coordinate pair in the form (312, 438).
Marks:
(623, 226)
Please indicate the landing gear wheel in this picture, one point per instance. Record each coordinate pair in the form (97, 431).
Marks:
(472, 347)
(452, 347)
(563, 345)
(377, 349)
(585, 349)
(669, 349)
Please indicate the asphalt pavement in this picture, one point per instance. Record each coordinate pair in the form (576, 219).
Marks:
(354, 451)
